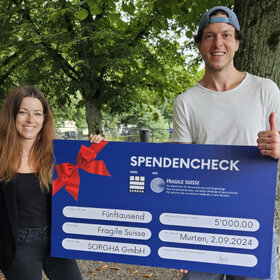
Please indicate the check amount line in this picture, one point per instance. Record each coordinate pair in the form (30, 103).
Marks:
(213, 222)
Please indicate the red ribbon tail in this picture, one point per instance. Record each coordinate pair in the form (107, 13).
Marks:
(73, 185)
(57, 184)
(97, 147)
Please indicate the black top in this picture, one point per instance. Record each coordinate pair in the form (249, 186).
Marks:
(33, 204)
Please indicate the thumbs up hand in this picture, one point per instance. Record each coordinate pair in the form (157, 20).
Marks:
(269, 140)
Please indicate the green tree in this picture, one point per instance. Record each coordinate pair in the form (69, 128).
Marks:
(108, 51)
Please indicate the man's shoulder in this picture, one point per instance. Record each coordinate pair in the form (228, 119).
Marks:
(187, 94)
(261, 81)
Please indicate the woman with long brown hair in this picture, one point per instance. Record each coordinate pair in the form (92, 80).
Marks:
(26, 164)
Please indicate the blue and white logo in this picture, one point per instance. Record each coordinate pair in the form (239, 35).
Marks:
(157, 185)
(137, 184)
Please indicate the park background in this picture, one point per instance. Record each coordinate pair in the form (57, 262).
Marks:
(115, 67)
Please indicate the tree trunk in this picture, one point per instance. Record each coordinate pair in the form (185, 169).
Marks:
(93, 117)
(259, 52)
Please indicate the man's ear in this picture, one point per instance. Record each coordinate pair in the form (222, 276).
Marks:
(237, 45)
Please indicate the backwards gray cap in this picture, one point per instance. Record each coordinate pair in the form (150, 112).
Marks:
(231, 19)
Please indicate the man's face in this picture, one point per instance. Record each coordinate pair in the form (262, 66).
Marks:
(218, 45)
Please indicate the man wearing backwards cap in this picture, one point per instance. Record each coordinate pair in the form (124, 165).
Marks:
(227, 107)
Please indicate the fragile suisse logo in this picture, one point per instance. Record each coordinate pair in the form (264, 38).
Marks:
(157, 185)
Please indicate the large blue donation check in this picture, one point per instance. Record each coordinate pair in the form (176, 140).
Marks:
(200, 207)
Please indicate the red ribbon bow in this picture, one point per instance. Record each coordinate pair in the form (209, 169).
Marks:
(68, 173)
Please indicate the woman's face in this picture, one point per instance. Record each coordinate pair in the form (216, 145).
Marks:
(30, 118)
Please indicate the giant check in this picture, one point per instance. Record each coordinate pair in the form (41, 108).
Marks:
(199, 207)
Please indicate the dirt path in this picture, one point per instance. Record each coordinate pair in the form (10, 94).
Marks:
(92, 270)
(115, 271)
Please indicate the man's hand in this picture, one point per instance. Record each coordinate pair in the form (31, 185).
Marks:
(269, 140)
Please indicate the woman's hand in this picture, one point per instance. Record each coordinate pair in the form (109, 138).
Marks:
(95, 138)
(183, 270)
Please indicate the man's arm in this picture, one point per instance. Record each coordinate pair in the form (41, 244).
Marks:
(269, 140)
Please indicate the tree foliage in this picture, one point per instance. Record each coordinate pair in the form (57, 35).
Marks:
(109, 52)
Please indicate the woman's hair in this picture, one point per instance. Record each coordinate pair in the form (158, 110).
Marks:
(41, 156)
